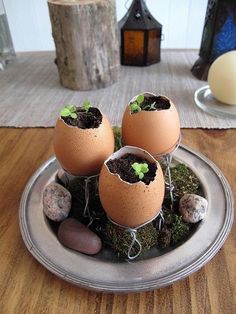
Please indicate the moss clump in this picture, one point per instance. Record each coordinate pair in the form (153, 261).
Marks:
(164, 237)
(120, 240)
(117, 135)
(184, 181)
(180, 230)
(174, 230)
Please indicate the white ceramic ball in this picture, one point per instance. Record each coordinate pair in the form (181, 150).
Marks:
(222, 78)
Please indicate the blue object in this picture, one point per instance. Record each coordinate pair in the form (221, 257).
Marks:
(225, 40)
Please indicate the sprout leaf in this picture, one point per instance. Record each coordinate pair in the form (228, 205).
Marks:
(68, 111)
(86, 105)
(140, 99)
(73, 115)
(134, 107)
(140, 169)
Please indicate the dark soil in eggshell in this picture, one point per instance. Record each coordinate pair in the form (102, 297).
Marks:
(161, 103)
(123, 167)
(85, 120)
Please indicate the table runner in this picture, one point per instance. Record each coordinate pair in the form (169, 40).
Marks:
(31, 95)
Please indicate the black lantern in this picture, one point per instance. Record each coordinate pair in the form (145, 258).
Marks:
(140, 36)
(219, 35)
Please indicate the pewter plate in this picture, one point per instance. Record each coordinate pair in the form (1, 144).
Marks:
(207, 102)
(155, 269)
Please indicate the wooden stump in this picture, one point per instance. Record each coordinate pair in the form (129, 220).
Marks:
(86, 39)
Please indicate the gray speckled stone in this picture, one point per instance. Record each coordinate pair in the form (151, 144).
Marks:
(193, 207)
(56, 202)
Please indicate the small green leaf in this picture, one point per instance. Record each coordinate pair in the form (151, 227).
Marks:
(140, 169)
(144, 168)
(68, 111)
(65, 112)
(86, 105)
(141, 175)
(134, 107)
(153, 106)
(73, 115)
(72, 108)
(136, 166)
(140, 99)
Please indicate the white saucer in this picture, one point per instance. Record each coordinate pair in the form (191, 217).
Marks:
(205, 100)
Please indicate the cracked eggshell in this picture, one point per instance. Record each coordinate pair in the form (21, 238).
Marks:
(155, 131)
(82, 151)
(129, 204)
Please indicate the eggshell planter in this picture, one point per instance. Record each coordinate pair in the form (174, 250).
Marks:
(81, 152)
(158, 131)
(131, 204)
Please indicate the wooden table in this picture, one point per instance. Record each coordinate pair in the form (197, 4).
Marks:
(27, 287)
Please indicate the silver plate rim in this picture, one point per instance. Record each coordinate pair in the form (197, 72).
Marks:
(132, 287)
(206, 107)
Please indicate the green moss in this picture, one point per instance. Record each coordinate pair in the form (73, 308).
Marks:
(175, 224)
(184, 181)
(120, 240)
(164, 237)
(180, 230)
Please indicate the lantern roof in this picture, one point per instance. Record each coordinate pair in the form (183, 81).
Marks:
(139, 17)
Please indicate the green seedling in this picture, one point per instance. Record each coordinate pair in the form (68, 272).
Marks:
(86, 105)
(135, 106)
(150, 107)
(69, 111)
(140, 169)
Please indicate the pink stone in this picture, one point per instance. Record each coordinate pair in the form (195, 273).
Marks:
(76, 236)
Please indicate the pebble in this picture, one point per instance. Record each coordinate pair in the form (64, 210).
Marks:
(56, 202)
(193, 207)
(76, 236)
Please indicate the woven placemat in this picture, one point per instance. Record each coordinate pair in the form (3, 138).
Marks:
(31, 95)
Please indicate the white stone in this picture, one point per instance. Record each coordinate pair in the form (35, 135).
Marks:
(56, 202)
(193, 208)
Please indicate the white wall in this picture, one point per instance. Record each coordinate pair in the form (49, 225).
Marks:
(182, 22)
(1, 8)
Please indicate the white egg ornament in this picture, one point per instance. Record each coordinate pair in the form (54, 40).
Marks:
(222, 78)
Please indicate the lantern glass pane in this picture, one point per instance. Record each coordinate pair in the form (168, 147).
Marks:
(153, 54)
(133, 47)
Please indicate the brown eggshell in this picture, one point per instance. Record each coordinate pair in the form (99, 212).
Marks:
(76, 236)
(155, 131)
(130, 204)
(82, 151)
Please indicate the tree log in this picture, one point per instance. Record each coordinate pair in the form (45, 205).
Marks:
(86, 39)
